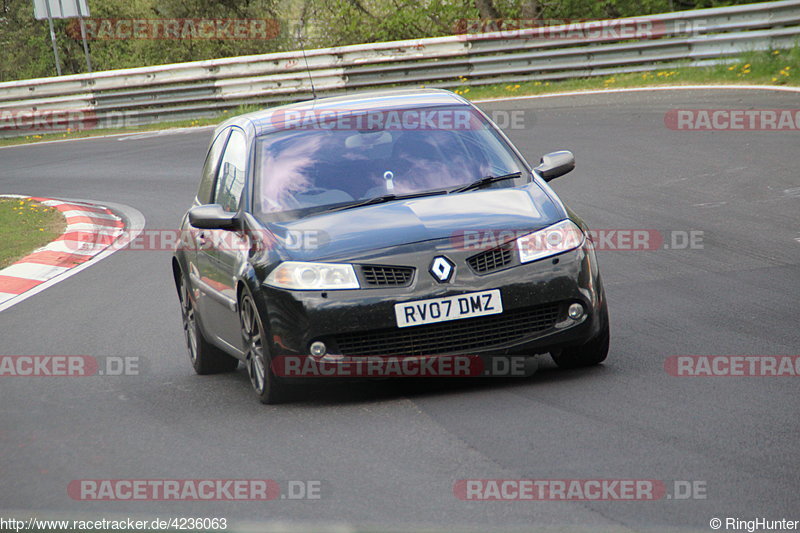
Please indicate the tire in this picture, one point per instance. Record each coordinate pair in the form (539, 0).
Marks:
(592, 353)
(205, 357)
(268, 387)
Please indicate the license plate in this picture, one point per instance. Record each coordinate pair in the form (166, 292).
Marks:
(450, 308)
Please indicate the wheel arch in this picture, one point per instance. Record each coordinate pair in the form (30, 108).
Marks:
(177, 271)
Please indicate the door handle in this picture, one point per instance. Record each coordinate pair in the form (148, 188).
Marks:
(201, 239)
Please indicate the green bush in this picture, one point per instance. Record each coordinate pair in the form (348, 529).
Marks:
(27, 50)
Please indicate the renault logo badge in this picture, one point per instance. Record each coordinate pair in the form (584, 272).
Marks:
(442, 269)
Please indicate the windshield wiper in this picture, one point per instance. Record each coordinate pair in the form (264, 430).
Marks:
(477, 184)
(383, 199)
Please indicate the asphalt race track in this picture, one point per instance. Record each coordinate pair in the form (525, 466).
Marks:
(389, 453)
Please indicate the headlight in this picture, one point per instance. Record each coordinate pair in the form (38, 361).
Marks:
(313, 276)
(553, 240)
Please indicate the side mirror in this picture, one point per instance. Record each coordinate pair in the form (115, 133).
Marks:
(555, 164)
(212, 216)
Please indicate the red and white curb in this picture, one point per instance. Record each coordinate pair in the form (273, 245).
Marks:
(90, 232)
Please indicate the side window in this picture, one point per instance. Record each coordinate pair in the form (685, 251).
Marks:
(231, 176)
(210, 168)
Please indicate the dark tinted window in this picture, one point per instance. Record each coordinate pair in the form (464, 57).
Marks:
(210, 168)
(231, 175)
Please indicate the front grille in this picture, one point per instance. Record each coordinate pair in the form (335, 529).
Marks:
(387, 276)
(490, 260)
(457, 336)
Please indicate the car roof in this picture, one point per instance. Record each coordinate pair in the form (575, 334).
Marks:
(269, 119)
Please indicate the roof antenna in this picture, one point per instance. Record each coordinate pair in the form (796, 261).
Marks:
(308, 69)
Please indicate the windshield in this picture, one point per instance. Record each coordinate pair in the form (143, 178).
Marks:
(331, 162)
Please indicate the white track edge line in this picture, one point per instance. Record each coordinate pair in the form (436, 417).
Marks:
(135, 222)
(172, 131)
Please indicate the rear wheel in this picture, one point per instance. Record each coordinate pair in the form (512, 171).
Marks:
(592, 353)
(266, 384)
(205, 357)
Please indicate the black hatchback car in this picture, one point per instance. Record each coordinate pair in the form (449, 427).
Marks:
(399, 224)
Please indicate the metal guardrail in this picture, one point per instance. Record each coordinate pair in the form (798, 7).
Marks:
(205, 88)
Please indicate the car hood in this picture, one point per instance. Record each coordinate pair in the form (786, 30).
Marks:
(340, 234)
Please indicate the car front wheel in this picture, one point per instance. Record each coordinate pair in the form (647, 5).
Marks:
(267, 386)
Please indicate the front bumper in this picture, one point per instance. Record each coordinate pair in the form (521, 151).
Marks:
(361, 322)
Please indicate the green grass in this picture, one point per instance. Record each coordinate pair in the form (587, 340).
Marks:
(775, 67)
(26, 225)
